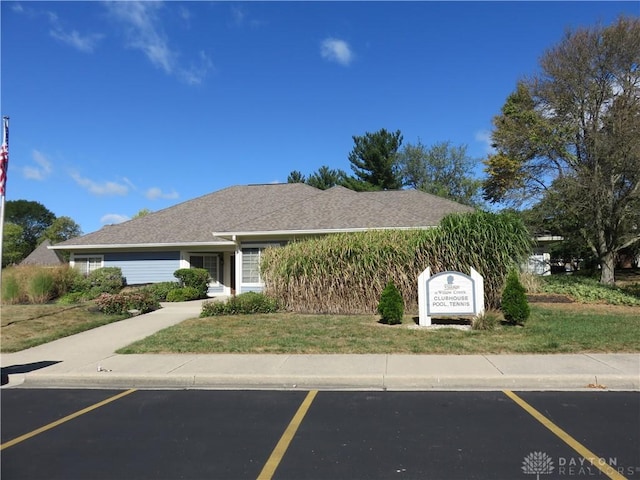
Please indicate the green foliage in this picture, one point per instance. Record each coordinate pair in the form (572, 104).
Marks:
(33, 217)
(589, 290)
(102, 280)
(124, 302)
(10, 289)
(161, 290)
(346, 273)
(391, 305)
(243, 304)
(197, 278)
(14, 247)
(183, 294)
(73, 298)
(42, 287)
(442, 169)
(551, 147)
(515, 307)
(374, 160)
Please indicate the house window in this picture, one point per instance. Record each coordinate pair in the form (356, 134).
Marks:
(86, 265)
(209, 262)
(251, 265)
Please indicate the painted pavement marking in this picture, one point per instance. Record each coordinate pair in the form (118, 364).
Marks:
(51, 425)
(278, 452)
(591, 457)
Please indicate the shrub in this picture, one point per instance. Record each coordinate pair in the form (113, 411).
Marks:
(197, 278)
(391, 305)
(42, 287)
(183, 294)
(245, 303)
(122, 303)
(515, 307)
(161, 290)
(104, 280)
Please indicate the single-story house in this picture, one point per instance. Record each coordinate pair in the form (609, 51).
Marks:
(226, 231)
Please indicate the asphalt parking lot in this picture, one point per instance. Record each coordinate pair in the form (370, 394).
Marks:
(204, 434)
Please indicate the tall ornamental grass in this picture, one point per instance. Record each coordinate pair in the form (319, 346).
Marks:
(346, 273)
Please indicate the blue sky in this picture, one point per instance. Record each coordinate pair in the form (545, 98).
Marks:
(120, 106)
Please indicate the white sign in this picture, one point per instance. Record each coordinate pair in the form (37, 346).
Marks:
(449, 293)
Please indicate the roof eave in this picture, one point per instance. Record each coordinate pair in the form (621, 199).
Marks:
(121, 246)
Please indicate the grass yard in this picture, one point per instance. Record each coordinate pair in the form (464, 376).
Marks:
(25, 326)
(552, 328)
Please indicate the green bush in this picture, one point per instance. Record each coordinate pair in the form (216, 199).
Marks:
(102, 280)
(42, 287)
(183, 294)
(589, 290)
(197, 278)
(391, 305)
(161, 290)
(123, 303)
(243, 304)
(515, 307)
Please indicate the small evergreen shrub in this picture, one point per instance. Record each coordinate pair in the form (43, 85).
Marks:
(183, 294)
(197, 278)
(515, 307)
(161, 290)
(122, 303)
(391, 306)
(243, 304)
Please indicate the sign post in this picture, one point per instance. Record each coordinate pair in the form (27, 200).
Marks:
(449, 294)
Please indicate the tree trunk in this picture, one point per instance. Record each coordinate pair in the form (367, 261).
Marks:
(607, 268)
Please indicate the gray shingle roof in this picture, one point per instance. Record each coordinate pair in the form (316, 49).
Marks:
(274, 207)
(43, 256)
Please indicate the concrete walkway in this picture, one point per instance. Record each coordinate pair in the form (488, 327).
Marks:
(87, 360)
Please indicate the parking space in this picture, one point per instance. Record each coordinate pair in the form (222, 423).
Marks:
(195, 434)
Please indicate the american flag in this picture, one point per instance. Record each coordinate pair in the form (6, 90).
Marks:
(4, 156)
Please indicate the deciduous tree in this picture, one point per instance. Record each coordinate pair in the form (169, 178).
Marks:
(574, 130)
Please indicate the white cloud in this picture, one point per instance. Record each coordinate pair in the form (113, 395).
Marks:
(144, 32)
(154, 193)
(484, 136)
(336, 50)
(41, 171)
(84, 43)
(113, 218)
(104, 188)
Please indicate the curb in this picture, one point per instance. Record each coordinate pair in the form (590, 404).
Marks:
(361, 382)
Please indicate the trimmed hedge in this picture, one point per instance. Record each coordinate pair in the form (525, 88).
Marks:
(122, 303)
(391, 306)
(245, 303)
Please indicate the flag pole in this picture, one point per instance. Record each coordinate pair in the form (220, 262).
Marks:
(4, 166)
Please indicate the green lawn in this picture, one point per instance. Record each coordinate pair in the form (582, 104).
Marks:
(551, 329)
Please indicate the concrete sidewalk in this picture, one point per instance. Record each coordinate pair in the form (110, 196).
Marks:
(87, 360)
